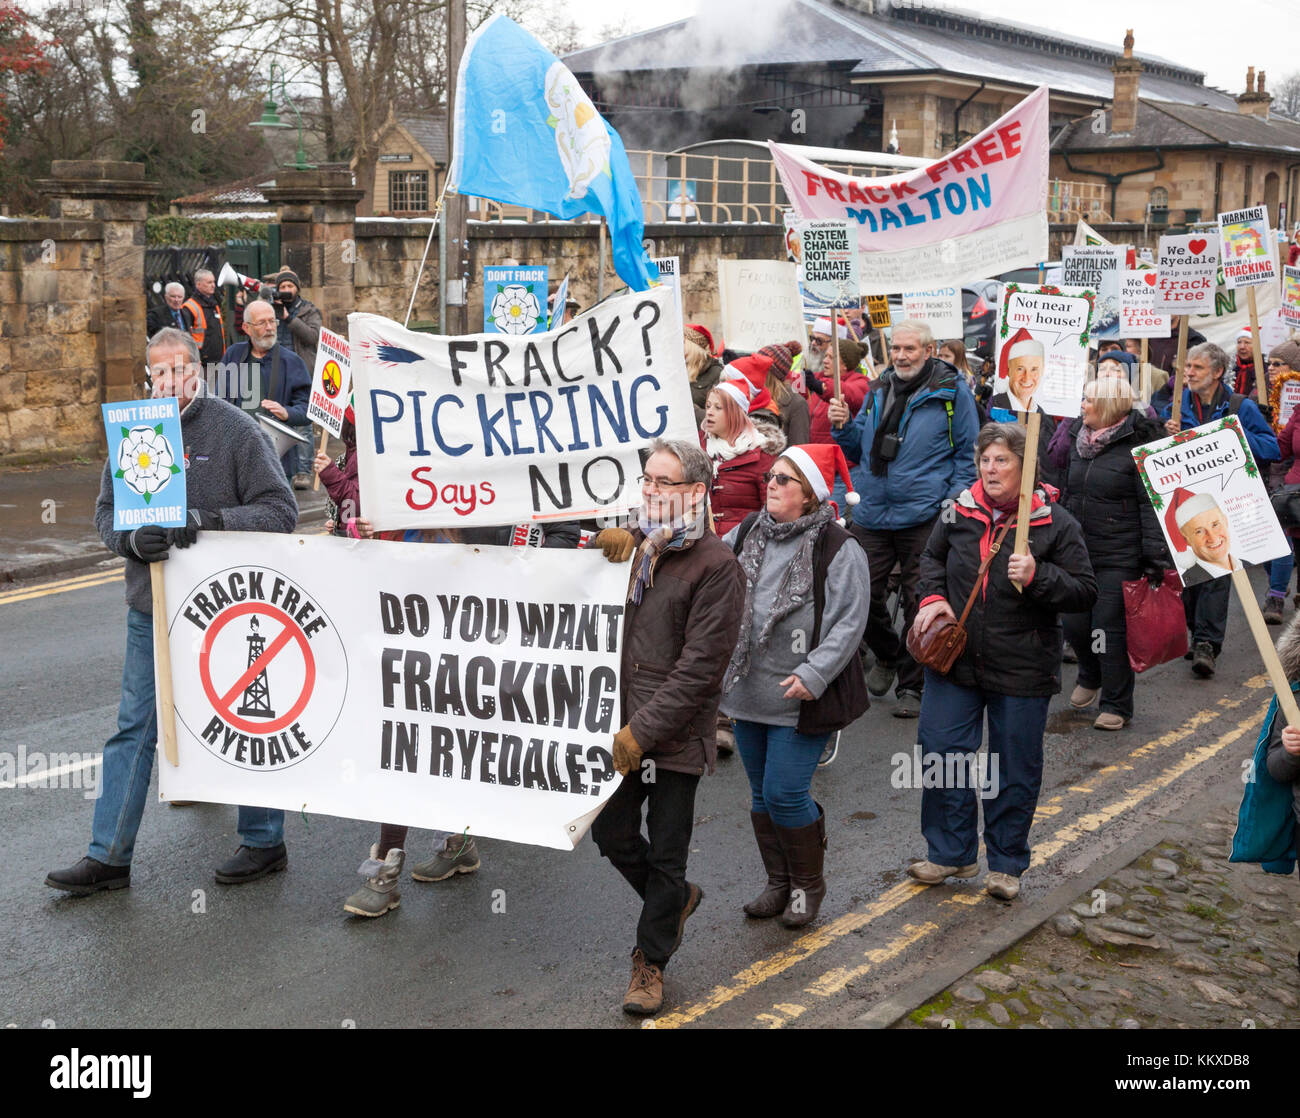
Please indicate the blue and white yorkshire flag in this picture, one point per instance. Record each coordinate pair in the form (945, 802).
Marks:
(526, 134)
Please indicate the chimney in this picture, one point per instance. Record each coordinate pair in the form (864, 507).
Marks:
(1254, 101)
(1124, 103)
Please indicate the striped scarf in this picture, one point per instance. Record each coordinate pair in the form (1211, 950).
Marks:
(678, 535)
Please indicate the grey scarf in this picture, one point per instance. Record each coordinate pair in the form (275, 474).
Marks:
(796, 582)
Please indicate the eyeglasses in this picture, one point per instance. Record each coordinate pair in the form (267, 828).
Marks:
(1280, 364)
(781, 480)
(648, 482)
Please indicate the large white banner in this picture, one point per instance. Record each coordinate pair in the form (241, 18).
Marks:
(434, 685)
(978, 211)
(494, 429)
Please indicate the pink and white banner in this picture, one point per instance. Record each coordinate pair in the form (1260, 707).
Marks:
(980, 210)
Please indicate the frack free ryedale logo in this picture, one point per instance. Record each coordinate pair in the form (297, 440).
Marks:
(272, 667)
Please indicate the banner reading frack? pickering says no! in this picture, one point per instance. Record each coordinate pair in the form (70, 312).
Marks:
(432, 685)
(493, 429)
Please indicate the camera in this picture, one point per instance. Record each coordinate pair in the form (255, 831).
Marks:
(285, 297)
(889, 447)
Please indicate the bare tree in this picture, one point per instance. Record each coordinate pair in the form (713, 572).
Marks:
(1286, 96)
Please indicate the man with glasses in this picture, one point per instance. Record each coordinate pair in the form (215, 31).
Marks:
(914, 438)
(233, 483)
(680, 624)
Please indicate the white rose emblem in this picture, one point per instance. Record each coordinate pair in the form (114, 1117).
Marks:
(515, 309)
(145, 460)
(580, 134)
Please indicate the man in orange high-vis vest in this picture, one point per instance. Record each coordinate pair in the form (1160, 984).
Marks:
(202, 315)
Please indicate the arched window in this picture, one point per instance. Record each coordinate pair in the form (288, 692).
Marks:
(1158, 199)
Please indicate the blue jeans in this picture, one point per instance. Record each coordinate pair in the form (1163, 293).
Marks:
(298, 459)
(1279, 574)
(952, 724)
(128, 762)
(780, 763)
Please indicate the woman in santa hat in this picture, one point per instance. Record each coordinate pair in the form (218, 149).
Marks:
(795, 677)
(741, 453)
(702, 367)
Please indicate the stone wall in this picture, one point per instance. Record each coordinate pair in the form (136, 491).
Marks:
(388, 259)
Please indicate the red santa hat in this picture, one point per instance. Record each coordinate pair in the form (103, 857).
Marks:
(736, 391)
(1244, 332)
(821, 463)
(1021, 344)
(1183, 505)
(751, 374)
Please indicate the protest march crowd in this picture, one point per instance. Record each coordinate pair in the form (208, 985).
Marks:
(758, 619)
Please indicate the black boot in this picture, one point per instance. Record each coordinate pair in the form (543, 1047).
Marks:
(252, 862)
(89, 876)
(805, 851)
(772, 900)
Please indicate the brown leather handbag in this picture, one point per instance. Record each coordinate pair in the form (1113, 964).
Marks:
(945, 640)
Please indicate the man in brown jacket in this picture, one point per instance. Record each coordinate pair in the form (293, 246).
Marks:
(685, 594)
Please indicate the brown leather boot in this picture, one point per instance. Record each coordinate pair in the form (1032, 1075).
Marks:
(645, 993)
(805, 851)
(772, 900)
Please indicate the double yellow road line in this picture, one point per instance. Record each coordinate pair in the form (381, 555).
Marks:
(61, 586)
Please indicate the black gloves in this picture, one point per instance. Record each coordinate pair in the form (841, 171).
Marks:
(1153, 572)
(813, 383)
(199, 520)
(150, 543)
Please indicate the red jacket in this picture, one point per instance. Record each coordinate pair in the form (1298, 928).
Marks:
(1288, 443)
(855, 387)
(739, 489)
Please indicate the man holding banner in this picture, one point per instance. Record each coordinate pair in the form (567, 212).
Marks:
(679, 631)
(233, 483)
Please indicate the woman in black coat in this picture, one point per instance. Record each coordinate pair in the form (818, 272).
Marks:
(1103, 490)
(1009, 669)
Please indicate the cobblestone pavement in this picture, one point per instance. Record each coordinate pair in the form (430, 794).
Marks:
(1179, 938)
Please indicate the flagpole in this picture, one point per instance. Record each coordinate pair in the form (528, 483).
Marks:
(600, 264)
(437, 208)
(453, 251)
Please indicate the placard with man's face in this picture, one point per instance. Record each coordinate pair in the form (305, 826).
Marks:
(1042, 357)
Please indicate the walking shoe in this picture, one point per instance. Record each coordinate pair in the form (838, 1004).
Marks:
(302, 481)
(908, 705)
(805, 854)
(928, 873)
(1083, 697)
(379, 894)
(458, 855)
(1068, 655)
(726, 739)
(881, 678)
(252, 862)
(1203, 659)
(1273, 609)
(1108, 721)
(830, 751)
(182, 803)
(1004, 886)
(89, 876)
(772, 900)
(694, 894)
(645, 993)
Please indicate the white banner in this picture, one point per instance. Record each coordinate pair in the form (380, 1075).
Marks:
(494, 429)
(432, 685)
(1186, 267)
(1099, 268)
(670, 275)
(1246, 241)
(1138, 316)
(760, 303)
(828, 262)
(331, 383)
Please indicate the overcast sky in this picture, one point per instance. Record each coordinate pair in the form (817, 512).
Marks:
(1218, 39)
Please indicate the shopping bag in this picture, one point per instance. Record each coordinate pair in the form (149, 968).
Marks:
(1156, 624)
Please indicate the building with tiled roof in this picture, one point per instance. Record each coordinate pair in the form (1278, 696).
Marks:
(412, 164)
(242, 198)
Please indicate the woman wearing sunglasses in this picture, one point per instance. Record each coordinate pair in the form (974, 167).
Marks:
(795, 678)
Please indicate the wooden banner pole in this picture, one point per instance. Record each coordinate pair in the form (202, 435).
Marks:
(1259, 630)
(1180, 361)
(1261, 375)
(324, 437)
(163, 666)
(1032, 425)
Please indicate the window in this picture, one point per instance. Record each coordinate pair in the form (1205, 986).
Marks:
(408, 191)
(1158, 199)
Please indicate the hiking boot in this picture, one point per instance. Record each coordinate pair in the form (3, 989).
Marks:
(302, 481)
(1004, 886)
(252, 862)
(726, 738)
(1068, 655)
(645, 992)
(694, 894)
(908, 705)
(1083, 697)
(929, 873)
(1273, 609)
(1108, 721)
(772, 900)
(805, 854)
(458, 855)
(881, 678)
(830, 750)
(89, 876)
(1203, 659)
(379, 894)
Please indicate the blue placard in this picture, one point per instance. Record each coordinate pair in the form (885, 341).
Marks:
(514, 299)
(147, 460)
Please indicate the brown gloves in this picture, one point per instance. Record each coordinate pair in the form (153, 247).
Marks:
(627, 754)
(617, 544)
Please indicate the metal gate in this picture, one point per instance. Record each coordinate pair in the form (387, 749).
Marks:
(177, 264)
